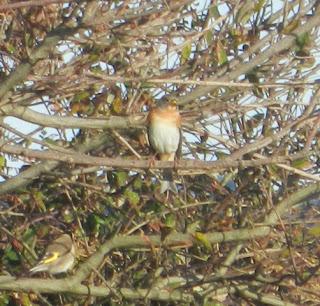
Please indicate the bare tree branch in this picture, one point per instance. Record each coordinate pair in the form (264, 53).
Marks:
(187, 165)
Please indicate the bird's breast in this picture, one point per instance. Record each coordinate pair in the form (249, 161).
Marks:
(164, 137)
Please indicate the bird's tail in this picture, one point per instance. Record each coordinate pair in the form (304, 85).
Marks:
(38, 268)
(167, 183)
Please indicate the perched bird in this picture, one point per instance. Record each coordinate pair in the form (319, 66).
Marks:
(164, 133)
(59, 256)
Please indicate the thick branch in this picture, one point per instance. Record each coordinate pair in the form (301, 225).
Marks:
(62, 122)
(82, 159)
(266, 299)
(66, 286)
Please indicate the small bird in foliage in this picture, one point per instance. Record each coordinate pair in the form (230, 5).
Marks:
(164, 133)
(59, 256)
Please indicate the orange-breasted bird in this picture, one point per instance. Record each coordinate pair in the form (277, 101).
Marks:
(164, 132)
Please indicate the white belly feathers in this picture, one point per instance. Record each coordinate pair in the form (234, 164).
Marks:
(167, 137)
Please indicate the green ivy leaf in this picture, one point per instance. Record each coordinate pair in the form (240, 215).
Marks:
(170, 221)
(81, 96)
(315, 231)
(221, 53)
(117, 105)
(185, 53)
(303, 40)
(28, 235)
(3, 162)
(214, 12)
(11, 48)
(39, 197)
(121, 178)
(93, 58)
(208, 37)
(203, 239)
(94, 222)
(11, 255)
(132, 197)
(4, 299)
(137, 184)
(302, 163)
(25, 300)
(193, 227)
(259, 5)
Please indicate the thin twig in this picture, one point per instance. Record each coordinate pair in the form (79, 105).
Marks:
(200, 83)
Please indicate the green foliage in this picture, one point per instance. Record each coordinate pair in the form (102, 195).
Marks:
(203, 240)
(4, 299)
(11, 255)
(3, 162)
(170, 221)
(94, 223)
(80, 96)
(303, 163)
(221, 53)
(302, 41)
(118, 179)
(185, 53)
(214, 12)
(132, 197)
(315, 231)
